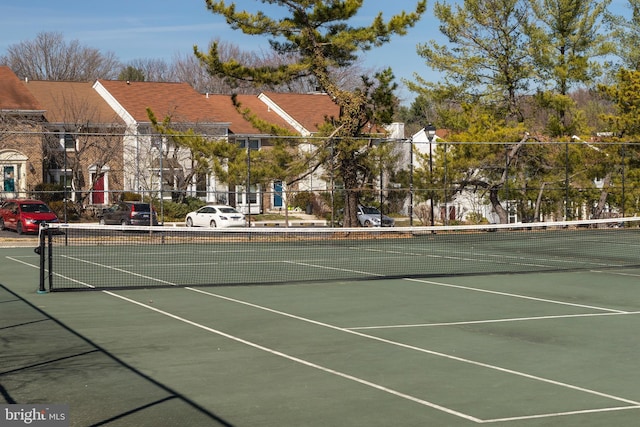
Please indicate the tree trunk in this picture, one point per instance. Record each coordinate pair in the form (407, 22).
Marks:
(597, 213)
(351, 197)
(497, 207)
(536, 214)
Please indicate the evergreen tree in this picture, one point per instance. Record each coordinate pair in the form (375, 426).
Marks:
(625, 94)
(320, 35)
(627, 34)
(131, 74)
(486, 57)
(566, 44)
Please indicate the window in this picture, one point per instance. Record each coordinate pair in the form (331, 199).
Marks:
(65, 179)
(251, 198)
(254, 144)
(68, 142)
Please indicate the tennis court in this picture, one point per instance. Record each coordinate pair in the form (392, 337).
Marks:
(535, 343)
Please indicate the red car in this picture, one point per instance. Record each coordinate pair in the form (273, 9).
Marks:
(25, 215)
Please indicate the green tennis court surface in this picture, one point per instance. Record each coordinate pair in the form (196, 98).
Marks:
(526, 349)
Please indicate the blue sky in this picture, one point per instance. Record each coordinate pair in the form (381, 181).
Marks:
(152, 29)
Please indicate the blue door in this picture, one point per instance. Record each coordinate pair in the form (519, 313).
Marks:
(277, 194)
(9, 178)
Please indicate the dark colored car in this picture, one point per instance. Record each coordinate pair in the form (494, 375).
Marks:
(25, 215)
(129, 213)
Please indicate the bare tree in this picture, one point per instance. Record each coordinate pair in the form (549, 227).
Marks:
(154, 70)
(49, 57)
(84, 144)
(187, 68)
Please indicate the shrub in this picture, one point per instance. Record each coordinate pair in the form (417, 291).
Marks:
(302, 199)
(476, 218)
(178, 211)
(48, 192)
(128, 196)
(73, 214)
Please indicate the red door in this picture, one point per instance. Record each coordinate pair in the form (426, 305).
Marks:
(97, 197)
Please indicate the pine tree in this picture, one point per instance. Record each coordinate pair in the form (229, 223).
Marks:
(566, 44)
(486, 56)
(318, 33)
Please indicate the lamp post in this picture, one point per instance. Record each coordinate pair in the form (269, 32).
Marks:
(430, 131)
(411, 182)
(566, 182)
(381, 193)
(378, 144)
(333, 206)
(161, 143)
(248, 190)
(444, 186)
(67, 141)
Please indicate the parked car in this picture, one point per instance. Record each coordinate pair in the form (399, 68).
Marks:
(215, 216)
(129, 213)
(369, 216)
(25, 215)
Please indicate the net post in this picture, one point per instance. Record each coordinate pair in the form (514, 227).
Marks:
(40, 250)
(50, 256)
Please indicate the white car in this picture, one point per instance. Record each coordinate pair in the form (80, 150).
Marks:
(216, 216)
(371, 217)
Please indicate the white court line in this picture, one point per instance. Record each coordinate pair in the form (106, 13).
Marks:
(469, 288)
(300, 361)
(22, 262)
(616, 273)
(635, 405)
(558, 414)
(419, 349)
(109, 267)
(284, 355)
(324, 267)
(478, 322)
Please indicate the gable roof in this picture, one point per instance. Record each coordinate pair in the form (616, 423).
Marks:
(263, 111)
(177, 100)
(14, 97)
(222, 108)
(72, 103)
(308, 111)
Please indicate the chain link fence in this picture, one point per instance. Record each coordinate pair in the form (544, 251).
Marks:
(459, 183)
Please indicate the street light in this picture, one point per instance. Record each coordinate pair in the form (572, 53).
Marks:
(68, 142)
(430, 131)
(411, 182)
(378, 143)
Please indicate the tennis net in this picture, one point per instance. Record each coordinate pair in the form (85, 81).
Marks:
(113, 257)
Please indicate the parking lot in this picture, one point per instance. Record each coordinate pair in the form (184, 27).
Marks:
(10, 234)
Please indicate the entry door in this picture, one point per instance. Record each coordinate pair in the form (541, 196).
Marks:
(277, 194)
(9, 178)
(97, 196)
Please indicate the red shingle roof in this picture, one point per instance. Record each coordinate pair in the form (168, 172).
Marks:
(262, 111)
(222, 108)
(310, 110)
(14, 96)
(178, 100)
(72, 102)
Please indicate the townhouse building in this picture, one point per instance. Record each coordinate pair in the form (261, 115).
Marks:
(97, 140)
